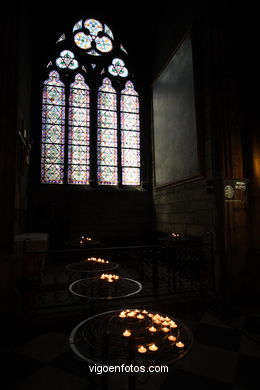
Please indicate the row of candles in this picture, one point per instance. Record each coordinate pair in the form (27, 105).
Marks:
(166, 323)
(84, 239)
(109, 277)
(96, 260)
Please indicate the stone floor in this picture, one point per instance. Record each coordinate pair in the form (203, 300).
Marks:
(35, 352)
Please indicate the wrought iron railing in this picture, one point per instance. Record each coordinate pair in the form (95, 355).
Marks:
(174, 265)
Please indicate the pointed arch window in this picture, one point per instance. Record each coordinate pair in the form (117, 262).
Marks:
(130, 135)
(53, 130)
(78, 134)
(107, 134)
(90, 111)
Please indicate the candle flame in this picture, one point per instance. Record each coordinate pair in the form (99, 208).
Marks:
(153, 347)
(127, 333)
(142, 349)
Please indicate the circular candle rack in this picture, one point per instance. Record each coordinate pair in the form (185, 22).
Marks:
(96, 288)
(102, 338)
(85, 266)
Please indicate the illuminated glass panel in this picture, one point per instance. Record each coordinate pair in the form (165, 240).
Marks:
(118, 68)
(53, 128)
(95, 36)
(107, 153)
(94, 26)
(123, 49)
(67, 60)
(78, 135)
(130, 135)
(77, 26)
(108, 31)
(82, 40)
(104, 44)
(61, 38)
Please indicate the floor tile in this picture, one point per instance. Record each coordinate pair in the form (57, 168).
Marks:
(45, 347)
(220, 337)
(178, 379)
(249, 347)
(67, 362)
(52, 378)
(210, 362)
(16, 368)
(210, 319)
(247, 372)
(252, 326)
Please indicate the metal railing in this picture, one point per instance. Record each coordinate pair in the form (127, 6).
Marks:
(173, 266)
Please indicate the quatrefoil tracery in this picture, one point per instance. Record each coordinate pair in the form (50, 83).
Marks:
(95, 38)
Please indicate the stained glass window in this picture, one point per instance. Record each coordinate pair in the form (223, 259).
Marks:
(107, 172)
(53, 130)
(95, 38)
(90, 128)
(66, 60)
(130, 135)
(118, 68)
(78, 135)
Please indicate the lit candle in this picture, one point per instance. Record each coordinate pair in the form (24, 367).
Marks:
(131, 314)
(109, 277)
(142, 349)
(173, 325)
(165, 323)
(153, 347)
(179, 344)
(140, 316)
(127, 333)
(165, 330)
(172, 338)
(157, 321)
(145, 311)
(152, 329)
(122, 314)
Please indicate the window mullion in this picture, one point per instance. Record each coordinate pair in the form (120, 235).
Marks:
(66, 135)
(119, 134)
(93, 136)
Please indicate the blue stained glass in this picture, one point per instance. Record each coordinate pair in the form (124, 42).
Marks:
(130, 139)
(130, 157)
(53, 119)
(78, 138)
(118, 68)
(52, 134)
(107, 156)
(67, 60)
(130, 121)
(107, 175)
(107, 138)
(94, 26)
(82, 40)
(107, 134)
(130, 135)
(77, 26)
(108, 31)
(104, 44)
(130, 176)
(52, 173)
